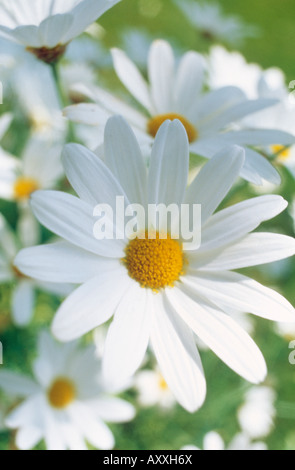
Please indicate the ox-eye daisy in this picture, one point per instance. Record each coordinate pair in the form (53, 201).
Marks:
(66, 403)
(45, 27)
(159, 291)
(176, 93)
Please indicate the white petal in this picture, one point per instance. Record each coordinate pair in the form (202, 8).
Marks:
(72, 219)
(28, 437)
(213, 441)
(226, 339)
(93, 429)
(62, 262)
(177, 356)
(23, 300)
(90, 305)
(233, 223)
(168, 174)
(54, 438)
(28, 413)
(189, 83)
(17, 384)
(161, 75)
(87, 113)
(130, 76)
(128, 336)
(232, 290)
(124, 158)
(255, 249)
(255, 162)
(112, 410)
(53, 29)
(215, 180)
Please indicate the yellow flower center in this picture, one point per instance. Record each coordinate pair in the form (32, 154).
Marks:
(61, 393)
(155, 123)
(162, 384)
(24, 187)
(154, 263)
(282, 152)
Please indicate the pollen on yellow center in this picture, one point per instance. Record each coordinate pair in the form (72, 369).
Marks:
(24, 187)
(61, 393)
(283, 153)
(155, 263)
(155, 123)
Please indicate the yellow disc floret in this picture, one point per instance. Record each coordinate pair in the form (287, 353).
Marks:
(162, 383)
(61, 393)
(24, 187)
(282, 152)
(155, 123)
(156, 262)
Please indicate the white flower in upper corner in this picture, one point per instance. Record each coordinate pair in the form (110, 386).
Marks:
(210, 118)
(214, 442)
(256, 416)
(159, 290)
(66, 403)
(24, 287)
(214, 25)
(39, 168)
(153, 390)
(45, 27)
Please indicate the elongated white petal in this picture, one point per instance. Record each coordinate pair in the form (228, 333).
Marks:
(215, 180)
(87, 113)
(161, 75)
(27, 413)
(17, 384)
(226, 339)
(23, 300)
(124, 158)
(28, 437)
(255, 249)
(54, 438)
(177, 356)
(233, 291)
(233, 223)
(189, 81)
(53, 29)
(93, 429)
(90, 305)
(168, 172)
(128, 336)
(130, 76)
(255, 162)
(72, 219)
(257, 137)
(113, 410)
(62, 262)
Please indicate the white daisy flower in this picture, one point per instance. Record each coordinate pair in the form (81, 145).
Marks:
(39, 168)
(213, 24)
(45, 27)
(24, 290)
(153, 390)
(160, 292)
(66, 403)
(177, 94)
(214, 442)
(256, 416)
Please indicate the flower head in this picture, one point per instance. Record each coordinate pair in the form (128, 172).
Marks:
(160, 290)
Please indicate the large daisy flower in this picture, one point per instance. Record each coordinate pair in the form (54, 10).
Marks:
(160, 290)
(66, 403)
(45, 27)
(177, 93)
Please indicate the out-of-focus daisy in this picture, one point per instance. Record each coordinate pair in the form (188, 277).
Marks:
(172, 93)
(159, 290)
(153, 390)
(39, 168)
(66, 403)
(213, 441)
(213, 24)
(5, 121)
(45, 27)
(24, 288)
(36, 91)
(258, 412)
